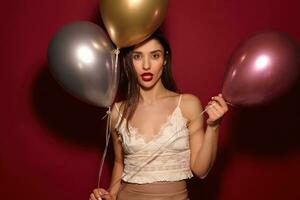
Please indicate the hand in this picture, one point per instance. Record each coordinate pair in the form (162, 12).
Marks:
(99, 194)
(216, 109)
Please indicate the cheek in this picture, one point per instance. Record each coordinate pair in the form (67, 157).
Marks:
(136, 65)
(159, 67)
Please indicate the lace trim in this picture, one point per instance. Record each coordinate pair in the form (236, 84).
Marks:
(143, 178)
(134, 132)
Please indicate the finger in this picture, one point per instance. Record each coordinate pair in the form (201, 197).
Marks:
(210, 104)
(212, 112)
(220, 100)
(209, 112)
(92, 197)
(208, 109)
(97, 193)
(219, 109)
(216, 109)
(222, 108)
(103, 191)
(216, 113)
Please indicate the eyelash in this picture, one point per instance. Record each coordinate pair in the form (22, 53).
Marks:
(138, 56)
(156, 56)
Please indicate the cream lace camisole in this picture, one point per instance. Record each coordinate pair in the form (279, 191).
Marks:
(166, 157)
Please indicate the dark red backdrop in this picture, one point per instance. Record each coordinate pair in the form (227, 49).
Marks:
(51, 144)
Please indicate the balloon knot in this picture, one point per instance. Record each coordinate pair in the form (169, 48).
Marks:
(108, 112)
(116, 51)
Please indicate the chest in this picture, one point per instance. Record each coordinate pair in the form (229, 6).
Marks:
(172, 135)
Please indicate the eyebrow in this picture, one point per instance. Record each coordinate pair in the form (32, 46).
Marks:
(155, 51)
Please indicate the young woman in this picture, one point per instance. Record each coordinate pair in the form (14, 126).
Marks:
(159, 136)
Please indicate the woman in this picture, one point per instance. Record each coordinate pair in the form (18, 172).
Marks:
(159, 137)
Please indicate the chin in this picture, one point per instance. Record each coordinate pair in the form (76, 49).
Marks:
(147, 86)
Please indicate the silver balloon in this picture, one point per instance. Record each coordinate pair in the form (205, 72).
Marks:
(81, 59)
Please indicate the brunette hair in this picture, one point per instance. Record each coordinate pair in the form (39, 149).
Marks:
(129, 85)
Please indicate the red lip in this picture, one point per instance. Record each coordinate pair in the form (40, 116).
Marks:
(147, 76)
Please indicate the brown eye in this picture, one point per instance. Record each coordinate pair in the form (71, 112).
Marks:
(136, 56)
(156, 55)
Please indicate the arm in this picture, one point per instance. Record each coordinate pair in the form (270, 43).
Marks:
(203, 143)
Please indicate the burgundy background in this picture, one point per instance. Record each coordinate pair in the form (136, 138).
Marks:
(51, 143)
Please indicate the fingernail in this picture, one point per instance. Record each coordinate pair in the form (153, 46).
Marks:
(99, 198)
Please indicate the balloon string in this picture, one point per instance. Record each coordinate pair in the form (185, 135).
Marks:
(107, 136)
(115, 74)
(116, 52)
(108, 115)
(155, 154)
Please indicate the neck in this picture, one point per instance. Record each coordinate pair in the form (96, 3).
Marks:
(148, 96)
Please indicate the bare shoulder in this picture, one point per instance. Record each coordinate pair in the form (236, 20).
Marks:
(191, 106)
(191, 101)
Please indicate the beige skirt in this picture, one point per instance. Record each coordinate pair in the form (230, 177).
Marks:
(175, 190)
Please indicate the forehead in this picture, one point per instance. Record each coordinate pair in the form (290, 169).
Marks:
(149, 46)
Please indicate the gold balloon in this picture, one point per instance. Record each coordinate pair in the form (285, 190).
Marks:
(129, 22)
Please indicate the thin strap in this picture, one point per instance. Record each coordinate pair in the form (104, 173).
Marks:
(179, 100)
(119, 115)
(117, 108)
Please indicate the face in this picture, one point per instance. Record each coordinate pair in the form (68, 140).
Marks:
(148, 61)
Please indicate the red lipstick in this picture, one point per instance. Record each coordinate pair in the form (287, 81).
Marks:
(147, 76)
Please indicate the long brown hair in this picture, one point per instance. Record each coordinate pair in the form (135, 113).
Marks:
(129, 85)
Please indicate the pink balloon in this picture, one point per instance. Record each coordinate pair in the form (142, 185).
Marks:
(261, 69)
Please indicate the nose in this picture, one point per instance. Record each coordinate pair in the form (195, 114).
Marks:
(146, 63)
